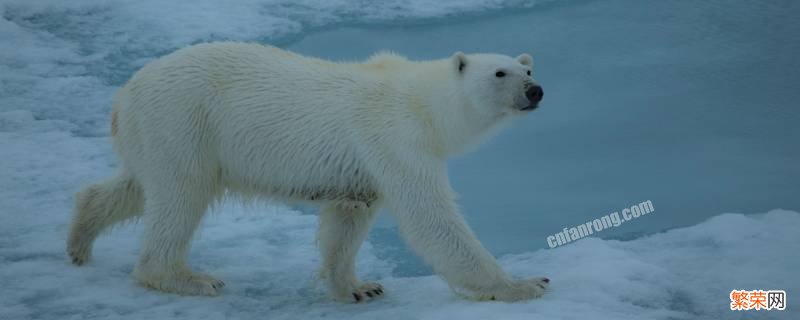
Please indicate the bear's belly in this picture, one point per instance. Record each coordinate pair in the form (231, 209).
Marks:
(310, 193)
(326, 193)
(313, 182)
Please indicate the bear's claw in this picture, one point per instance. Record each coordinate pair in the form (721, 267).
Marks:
(79, 252)
(367, 292)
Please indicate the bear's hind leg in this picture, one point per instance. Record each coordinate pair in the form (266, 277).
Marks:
(98, 207)
(172, 213)
(343, 227)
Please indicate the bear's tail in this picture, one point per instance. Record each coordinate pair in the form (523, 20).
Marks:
(99, 206)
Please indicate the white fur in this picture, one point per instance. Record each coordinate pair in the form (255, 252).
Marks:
(351, 137)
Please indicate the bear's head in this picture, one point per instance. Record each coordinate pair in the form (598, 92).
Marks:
(498, 84)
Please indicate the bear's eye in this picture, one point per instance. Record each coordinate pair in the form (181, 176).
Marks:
(529, 72)
(500, 74)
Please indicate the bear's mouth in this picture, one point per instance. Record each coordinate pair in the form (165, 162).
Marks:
(530, 107)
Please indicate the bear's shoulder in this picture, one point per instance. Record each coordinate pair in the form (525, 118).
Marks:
(386, 60)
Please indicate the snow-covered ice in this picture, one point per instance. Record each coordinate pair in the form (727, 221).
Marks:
(60, 62)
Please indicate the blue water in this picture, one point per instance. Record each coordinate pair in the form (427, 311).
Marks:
(690, 104)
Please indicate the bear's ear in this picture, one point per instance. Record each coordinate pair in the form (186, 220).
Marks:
(459, 61)
(525, 59)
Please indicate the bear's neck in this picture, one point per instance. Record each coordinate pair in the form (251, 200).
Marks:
(456, 125)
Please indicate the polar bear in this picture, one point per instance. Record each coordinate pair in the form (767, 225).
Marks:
(220, 118)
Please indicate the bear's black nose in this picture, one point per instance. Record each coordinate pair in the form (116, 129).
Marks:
(534, 94)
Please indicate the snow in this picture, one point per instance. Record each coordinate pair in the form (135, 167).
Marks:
(61, 61)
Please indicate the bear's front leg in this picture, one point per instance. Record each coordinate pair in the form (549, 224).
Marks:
(343, 227)
(423, 203)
